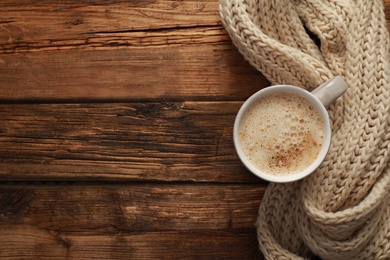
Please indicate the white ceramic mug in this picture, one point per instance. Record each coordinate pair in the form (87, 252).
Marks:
(319, 98)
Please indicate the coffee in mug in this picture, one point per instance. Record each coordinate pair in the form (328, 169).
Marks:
(282, 133)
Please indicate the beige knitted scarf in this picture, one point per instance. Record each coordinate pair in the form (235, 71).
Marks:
(342, 210)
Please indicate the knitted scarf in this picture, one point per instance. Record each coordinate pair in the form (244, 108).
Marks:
(342, 210)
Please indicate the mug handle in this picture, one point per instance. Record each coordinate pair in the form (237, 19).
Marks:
(329, 91)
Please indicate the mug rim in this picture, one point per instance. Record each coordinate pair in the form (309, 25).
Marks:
(325, 145)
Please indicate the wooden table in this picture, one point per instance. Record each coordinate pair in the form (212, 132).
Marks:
(116, 132)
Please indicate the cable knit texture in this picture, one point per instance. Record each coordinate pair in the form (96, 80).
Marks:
(342, 210)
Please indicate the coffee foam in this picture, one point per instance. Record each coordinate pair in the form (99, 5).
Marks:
(281, 134)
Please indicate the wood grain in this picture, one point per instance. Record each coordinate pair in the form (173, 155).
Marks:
(194, 72)
(28, 243)
(386, 4)
(27, 22)
(171, 141)
(119, 50)
(167, 221)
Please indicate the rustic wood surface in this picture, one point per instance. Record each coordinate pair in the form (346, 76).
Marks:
(116, 132)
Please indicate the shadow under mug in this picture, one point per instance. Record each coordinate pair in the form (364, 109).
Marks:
(319, 98)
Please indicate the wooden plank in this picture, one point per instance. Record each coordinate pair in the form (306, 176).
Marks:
(26, 22)
(189, 72)
(387, 12)
(172, 141)
(23, 242)
(119, 50)
(91, 208)
(132, 220)
(125, 39)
